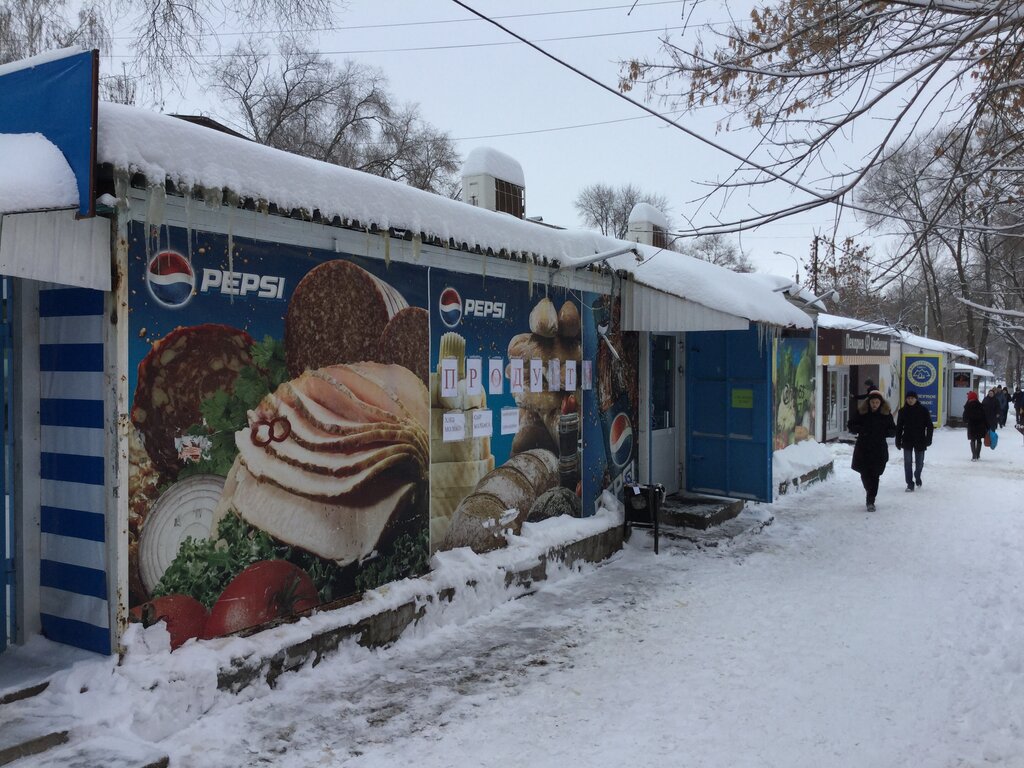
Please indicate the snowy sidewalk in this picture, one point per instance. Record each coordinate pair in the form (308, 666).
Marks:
(834, 637)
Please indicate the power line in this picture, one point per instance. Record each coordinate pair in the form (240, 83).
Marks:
(434, 47)
(429, 22)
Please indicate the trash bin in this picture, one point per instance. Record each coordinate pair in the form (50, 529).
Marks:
(643, 504)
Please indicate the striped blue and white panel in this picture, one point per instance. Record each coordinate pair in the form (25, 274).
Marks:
(73, 558)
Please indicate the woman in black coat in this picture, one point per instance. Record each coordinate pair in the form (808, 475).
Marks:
(977, 424)
(913, 436)
(872, 423)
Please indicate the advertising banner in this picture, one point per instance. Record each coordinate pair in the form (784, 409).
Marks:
(610, 397)
(793, 409)
(280, 412)
(923, 374)
(523, 463)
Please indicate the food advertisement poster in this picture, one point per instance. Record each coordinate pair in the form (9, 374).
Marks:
(527, 345)
(610, 406)
(280, 413)
(792, 390)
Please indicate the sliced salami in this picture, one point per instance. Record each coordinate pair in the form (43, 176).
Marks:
(336, 315)
(406, 342)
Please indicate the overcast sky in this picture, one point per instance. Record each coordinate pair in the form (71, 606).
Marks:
(486, 89)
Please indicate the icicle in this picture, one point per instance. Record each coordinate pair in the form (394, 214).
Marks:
(367, 231)
(188, 222)
(156, 200)
(483, 266)
(529, 274)
(387, 248)
(417, 247)
(232, 205)
(122, 183)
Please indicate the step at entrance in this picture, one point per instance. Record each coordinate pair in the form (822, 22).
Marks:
(688, 510)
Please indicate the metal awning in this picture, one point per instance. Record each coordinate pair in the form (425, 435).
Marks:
(56, 247)
(648, 309)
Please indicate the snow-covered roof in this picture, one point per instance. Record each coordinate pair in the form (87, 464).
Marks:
(648, 214)
(35, 176)
(826, 320)
(923, 342)
(936, 346)
(973, 369)
(160, 147)
(787, 286)
(490, 162)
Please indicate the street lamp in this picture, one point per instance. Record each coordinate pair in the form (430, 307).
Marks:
(795, 263)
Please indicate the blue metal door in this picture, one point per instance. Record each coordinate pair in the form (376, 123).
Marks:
(7, 570)
(728, 414)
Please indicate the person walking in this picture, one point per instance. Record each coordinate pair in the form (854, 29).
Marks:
(872, 423)
(1003, 398)
(1018, 403)
(990, 404)
(913, 436)
(977, 424)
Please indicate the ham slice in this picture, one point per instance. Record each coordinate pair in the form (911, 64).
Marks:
(341, 532)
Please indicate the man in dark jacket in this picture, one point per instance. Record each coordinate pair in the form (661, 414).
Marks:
(1018, 403)
(872, 423)
(991, 407)
(913, 436)
(1003, 398)
(977, 424)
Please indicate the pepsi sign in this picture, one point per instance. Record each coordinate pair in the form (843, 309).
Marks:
(170, 279)
(620, 440)
(453, 309)
(450, 307)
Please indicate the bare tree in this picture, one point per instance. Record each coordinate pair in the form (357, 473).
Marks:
(301, 102)
(720, 250)
(29, 27)
(607, 208)
(801, 73)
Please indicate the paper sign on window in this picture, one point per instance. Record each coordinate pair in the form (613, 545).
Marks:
(515, 376)
(453, 425)
(482, 426)
(588, 374)
(554, 374)
(570, 376)
(449, 377)
(509, 421)
(495, 376)
(536, 375)
(474, 375)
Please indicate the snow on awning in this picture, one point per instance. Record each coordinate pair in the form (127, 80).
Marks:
(973, 369)
(36, 176)
(40, 236)
(648, 309)
(934, 345)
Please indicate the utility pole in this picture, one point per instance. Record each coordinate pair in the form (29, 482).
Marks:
(814, 266)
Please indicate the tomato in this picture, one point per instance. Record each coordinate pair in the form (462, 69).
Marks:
(261, 593)
(569, 404)
(185, 616)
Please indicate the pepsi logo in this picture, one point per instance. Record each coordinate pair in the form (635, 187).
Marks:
(620, 440)
(450, 307)
(170, 279)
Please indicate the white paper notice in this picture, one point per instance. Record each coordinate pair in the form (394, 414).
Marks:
(509, 421)
(515, 376)
(588, 374)
(554, 374)
(454, 426)
(449, 377)
(496, 376)
(570, 376)
(536, 375)
(482, 426)
(474, 375)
